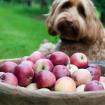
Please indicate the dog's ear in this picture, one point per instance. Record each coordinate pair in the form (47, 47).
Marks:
(93, 25)
(49, 20)
(49, 23)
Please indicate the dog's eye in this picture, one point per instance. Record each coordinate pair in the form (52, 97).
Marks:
(81, 10)
(66, 5)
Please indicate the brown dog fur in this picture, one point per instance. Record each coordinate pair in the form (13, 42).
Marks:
(78, 27)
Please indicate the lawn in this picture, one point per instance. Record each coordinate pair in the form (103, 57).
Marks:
(22, 29)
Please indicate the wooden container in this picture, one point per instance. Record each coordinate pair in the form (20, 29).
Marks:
(11, 95)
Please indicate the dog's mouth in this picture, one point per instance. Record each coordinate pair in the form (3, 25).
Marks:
(68, 30)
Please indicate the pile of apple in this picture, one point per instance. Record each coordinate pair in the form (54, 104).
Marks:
(55, 72)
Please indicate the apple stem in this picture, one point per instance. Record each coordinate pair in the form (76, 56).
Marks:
(82, 57)
(43, 68)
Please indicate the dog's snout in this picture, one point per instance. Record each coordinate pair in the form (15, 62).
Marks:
(65, 25)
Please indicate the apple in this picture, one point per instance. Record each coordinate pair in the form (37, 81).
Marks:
(72, 68)
(32, 86)
(45, 79)
(82, 76)
(24, 73)
(65, 84)
(93, 86)
(8, 78)
(47, 48)
(80, 60)
(59, 58)
(27, 62)
(102, 79)
(80, 88)
(103, 83)
(95, 71)
(60, 71)
(8, 66)
(44, 90)
(43, 64)
(35, 56)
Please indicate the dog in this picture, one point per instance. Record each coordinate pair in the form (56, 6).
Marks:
(78, 27)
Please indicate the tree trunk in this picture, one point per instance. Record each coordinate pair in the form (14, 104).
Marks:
(43, 3)
(103, 17)
(29, 3)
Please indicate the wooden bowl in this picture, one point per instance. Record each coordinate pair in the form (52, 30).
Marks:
(11, 95)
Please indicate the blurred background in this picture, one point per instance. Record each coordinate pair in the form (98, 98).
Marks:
(23, 28)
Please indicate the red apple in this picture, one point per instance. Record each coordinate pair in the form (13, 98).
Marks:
(59, 58)
(60, 71)
(43, 64)
(82, 76)
(93, 86)
(8, 78)
(35, 56)
(47, 48)
(65, 84)
(95, 71)
(45, 79)
(27, 62)
(8, 66)
(24, 74)
(80, 60)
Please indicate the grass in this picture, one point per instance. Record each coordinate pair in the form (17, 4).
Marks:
(22, 29)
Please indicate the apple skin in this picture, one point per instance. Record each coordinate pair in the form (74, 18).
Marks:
(80, 60)
(65, 84)
(25, 74)
(35, 56)
(47, 48)
(8, 66)
(32, 86)
(95, 71)
(59, 58)
(27, 62)
(103, 83)
(60, 71)
(44, 90)
(72, 68)
(8, 78)
(82, 76)
(43, 64)
(93, 86)
(102, 79)
(45, 79)
(80, 88)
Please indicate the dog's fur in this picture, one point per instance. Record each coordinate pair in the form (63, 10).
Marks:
(78, 27)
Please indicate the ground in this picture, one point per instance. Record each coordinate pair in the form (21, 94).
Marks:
(22, 29)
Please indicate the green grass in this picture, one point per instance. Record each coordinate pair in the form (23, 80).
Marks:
(22, 29)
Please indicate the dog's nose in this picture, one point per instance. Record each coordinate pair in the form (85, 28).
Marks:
(65, 25)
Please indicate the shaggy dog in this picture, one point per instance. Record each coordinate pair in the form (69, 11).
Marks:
(78, 27)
